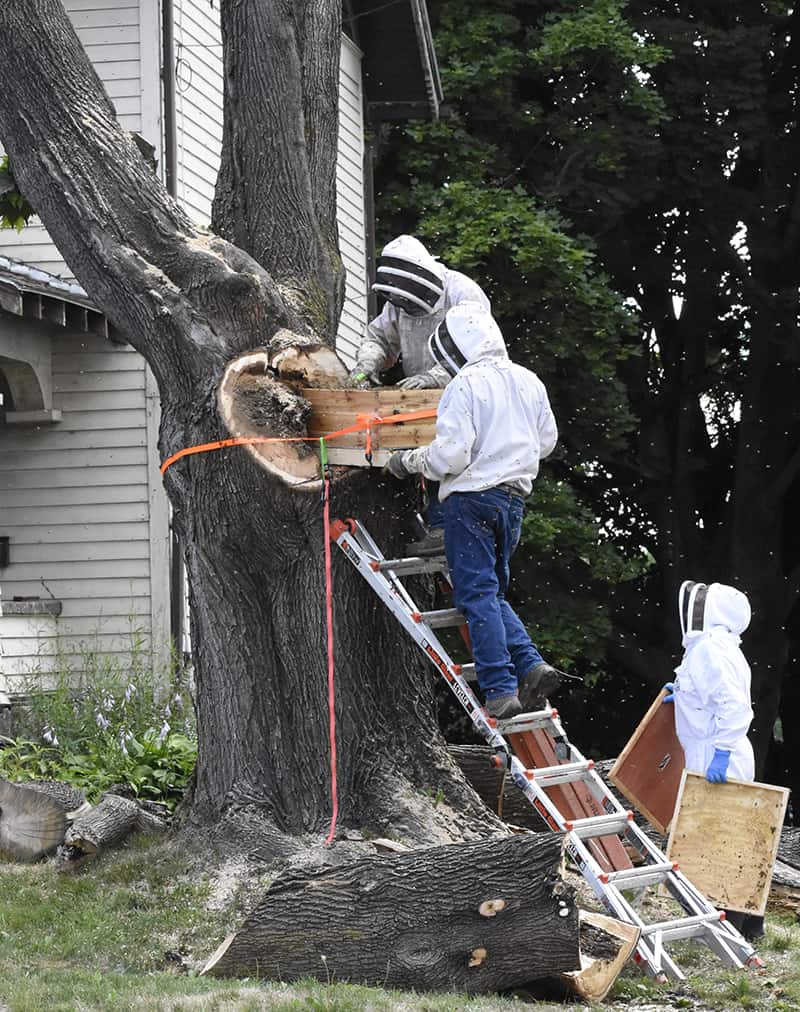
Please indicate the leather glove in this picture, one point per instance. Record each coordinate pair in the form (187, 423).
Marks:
(670, 697)
(422, 381)
(359, 379)
(396, 466)
(717, 772)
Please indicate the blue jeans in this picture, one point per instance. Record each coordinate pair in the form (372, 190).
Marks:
(435, 511)
(481, 532)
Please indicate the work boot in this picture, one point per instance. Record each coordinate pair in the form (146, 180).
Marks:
(503, 707)
(542, 680)
(430, 546)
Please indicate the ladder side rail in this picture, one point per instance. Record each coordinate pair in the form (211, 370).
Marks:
(617, 906)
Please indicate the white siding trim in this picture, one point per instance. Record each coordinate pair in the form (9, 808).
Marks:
(150, 77)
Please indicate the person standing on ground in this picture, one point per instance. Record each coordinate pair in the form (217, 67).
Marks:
(418, 290)
(711, 695)
(493, 426)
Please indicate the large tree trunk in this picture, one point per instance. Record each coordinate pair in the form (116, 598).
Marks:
(193, 304)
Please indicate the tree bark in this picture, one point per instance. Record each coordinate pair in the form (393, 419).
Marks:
(193, 304)
(474, 917)
(109, 822)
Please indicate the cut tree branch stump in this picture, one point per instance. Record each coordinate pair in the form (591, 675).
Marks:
(417, 920)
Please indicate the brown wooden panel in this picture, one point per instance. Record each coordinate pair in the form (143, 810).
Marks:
(648, 770)
(574, 801)
(725, 838)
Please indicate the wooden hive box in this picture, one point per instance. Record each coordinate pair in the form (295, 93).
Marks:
(648, 770)
(333, 410)
(725, 838)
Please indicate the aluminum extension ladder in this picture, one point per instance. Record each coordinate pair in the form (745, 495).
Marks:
(589, 838)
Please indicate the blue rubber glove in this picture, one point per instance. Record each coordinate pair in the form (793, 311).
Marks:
(670, 697)
(717, 772)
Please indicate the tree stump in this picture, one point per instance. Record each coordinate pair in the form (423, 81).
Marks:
(475, 917)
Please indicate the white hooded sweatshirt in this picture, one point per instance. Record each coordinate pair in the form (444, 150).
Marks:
(394, 333)
(494, 422)
(712, 683)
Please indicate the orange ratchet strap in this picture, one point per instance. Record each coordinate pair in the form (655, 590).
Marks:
(362, 422)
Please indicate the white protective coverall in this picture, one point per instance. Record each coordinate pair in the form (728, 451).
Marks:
(494, 422)
(712, 682)
(395, 333)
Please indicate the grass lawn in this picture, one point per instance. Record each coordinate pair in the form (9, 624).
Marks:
(131, 930)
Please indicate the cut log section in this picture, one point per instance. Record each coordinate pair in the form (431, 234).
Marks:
(109, 823)
(418, 920)
(31, 823)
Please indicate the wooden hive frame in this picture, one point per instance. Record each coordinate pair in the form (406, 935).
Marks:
(333, 410)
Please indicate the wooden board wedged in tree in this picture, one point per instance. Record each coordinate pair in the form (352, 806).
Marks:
(332, 410)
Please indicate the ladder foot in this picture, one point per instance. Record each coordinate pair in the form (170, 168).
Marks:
(756, 963)
(661, 978)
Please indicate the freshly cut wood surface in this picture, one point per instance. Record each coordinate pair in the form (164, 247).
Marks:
(606, 945)
(725, 838)
(648, 770)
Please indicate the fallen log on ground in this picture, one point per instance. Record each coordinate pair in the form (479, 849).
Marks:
(108, 823)
(31, 823)
(474, 917)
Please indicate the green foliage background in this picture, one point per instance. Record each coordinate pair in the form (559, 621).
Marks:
(595, 162)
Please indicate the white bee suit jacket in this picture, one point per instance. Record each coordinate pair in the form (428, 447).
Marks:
(394, 333)
(494, 422)
(712, 683)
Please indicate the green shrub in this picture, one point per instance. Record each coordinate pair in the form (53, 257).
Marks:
(102, 721)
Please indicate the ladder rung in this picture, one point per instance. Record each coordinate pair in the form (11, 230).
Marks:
(566, 773)
(468, 671)
(409, 566)
(526, 721)
(440, 619)
(686, 927)
(644, 875)
(599, 825)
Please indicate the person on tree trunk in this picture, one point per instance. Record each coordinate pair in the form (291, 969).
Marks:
(711, 695)
(418, 290)
(493, 426)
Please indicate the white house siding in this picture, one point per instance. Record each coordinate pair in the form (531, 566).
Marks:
(198, 53)
(110, 31)
(198, 100)
(350, 201)
(75, 502)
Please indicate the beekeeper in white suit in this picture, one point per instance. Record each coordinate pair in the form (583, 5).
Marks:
(711, 691)
(418, 290)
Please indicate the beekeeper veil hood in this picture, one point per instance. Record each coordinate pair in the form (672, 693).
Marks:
(703, 608)
(467, 333)
(409, 277)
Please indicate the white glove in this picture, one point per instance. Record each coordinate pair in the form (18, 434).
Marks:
(395, 465)
(422, 381)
